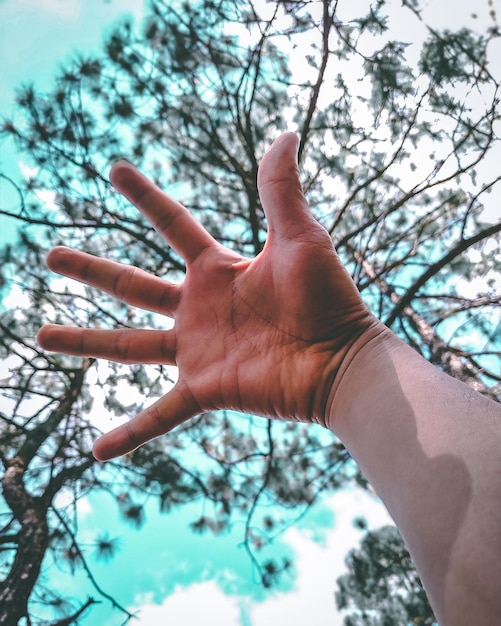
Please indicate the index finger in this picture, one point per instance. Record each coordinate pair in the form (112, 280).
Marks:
(169, 217)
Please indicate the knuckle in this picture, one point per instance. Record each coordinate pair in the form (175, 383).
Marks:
(168, 350)
(166, 221)
(123, 281)
(122, 346)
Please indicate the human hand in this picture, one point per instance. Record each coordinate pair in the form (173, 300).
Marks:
(265, 335)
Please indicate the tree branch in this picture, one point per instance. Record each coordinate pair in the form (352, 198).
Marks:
(87, 569)
(441, 354)
(454, 252)
(327, 21)
(39, 434)
(71, 619)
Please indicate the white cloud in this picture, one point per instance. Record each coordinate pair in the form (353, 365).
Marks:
(48, 198)
(200, 603)
(63, 8)
(318, 567)
(27, 171)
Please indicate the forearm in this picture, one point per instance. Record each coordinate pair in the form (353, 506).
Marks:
(431, 447)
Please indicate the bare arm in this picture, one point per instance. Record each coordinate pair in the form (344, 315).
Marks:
(287, 335)
(431, 447)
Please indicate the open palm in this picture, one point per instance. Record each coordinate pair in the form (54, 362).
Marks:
(264, 336)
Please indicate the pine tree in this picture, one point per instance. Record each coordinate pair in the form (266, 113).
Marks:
(396, 153)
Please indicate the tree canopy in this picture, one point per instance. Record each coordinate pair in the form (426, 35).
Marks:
(398, 142)
(382, 587)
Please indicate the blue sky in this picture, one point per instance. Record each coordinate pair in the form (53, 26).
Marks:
(166, 572)
(35, 38)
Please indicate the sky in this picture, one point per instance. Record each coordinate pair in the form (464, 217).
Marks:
(36, 36)
(165, 572)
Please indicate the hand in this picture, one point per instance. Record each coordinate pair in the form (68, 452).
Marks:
(264, 336)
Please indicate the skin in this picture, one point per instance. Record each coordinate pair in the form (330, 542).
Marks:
(286, 335)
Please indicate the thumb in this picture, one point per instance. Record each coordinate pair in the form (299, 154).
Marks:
(280, 189)
(161, 417)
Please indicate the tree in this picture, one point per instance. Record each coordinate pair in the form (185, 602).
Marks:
(382, 587)
(193, 98)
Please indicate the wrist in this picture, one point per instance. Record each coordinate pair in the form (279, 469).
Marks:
(360, 374)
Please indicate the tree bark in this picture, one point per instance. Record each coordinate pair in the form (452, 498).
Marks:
(31, 513)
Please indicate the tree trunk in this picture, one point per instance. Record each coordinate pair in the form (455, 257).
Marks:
(30, 511)
(33, 540)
